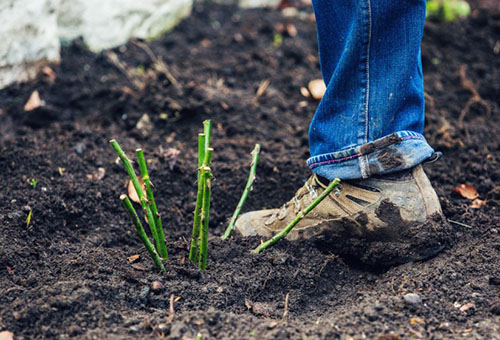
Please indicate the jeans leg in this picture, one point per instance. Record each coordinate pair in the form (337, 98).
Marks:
(371, 118)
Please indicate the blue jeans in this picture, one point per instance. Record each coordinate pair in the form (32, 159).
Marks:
(371, 118)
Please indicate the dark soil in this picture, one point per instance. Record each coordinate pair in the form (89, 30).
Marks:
(67, 274)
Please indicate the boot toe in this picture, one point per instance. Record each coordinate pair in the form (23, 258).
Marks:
(244, 225)
(253, 223)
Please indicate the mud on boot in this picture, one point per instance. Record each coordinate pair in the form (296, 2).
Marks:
(383, 220)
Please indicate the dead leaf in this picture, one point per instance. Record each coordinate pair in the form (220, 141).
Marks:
(98, 175)
(6, 335)
(132, 194)
(466, 191)
(138, 267)
(478, 203)
(170, 156)
(317, 88)
(33, 102)
(133, 258)
(49, 73)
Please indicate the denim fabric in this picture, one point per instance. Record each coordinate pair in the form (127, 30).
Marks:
(371, 118)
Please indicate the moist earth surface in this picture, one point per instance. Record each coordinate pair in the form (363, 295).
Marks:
(69, 272)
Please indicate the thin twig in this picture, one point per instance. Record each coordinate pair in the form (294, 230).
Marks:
(285, 312)
(132, 77)
(248, 188)
(476, 98)
(158, 61)
(171, 307)
(460, 224)
(297, 219)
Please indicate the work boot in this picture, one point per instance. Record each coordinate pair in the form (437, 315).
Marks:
(387, 208)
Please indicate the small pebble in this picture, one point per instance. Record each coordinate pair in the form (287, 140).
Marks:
(370, 313)
(144, 293)
(412, 298)
(79, 148)
(162, 327)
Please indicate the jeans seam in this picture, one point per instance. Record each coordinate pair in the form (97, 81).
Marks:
(367, 99)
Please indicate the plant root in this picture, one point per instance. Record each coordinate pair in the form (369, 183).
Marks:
(474, 99)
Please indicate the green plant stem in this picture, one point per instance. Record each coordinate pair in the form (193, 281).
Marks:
(138, 189)
(248, 187)
(205, 212)
(201, 149)
(194, 249)
(140, 231)
(207, 127)
(292, 224)
(162, 250)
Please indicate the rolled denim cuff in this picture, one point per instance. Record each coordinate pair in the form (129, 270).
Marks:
(398, 151)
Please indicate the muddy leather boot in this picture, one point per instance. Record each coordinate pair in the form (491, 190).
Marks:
(387, 208)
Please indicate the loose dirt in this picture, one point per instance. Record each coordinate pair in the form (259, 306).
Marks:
(67, 273)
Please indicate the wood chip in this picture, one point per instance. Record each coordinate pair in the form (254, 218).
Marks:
(139, 267)
(467, 306)
(417, 321)
(33, 102)
(262, 87)
(466, 191)
(133, 258)
(248, 304)
(49, 73)
(478, 204)
(305, 92)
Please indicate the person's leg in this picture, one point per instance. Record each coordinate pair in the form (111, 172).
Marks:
(367, 131)
(371, 118)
